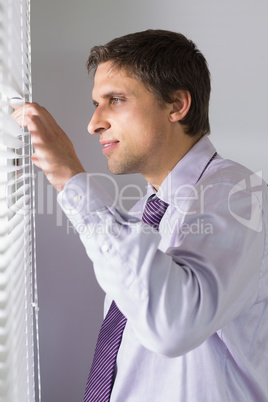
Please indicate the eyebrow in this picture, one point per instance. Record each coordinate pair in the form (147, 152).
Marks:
(109, 95)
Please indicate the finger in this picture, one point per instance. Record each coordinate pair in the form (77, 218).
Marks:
(20, 118)
(25, 115)
(18, 113)
(35, 160)
(30, 109)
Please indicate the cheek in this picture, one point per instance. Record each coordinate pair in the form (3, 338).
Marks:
(141, 130)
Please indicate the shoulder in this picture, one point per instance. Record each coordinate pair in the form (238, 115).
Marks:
(233, 177)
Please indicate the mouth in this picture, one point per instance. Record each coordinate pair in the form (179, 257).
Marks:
(108, 146)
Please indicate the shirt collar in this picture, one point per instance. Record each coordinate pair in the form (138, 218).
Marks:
(187, 171)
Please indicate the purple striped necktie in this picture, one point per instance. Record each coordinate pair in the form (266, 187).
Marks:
(100, 380)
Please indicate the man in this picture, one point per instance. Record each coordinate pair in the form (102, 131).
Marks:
(192, 289)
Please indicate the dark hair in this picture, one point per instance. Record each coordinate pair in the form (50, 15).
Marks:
(164, 62)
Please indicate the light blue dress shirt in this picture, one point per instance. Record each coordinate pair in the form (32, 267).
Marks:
(196, 293)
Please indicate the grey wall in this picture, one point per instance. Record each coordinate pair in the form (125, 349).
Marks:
(232, 35)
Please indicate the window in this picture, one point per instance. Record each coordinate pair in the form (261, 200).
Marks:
(19, 361)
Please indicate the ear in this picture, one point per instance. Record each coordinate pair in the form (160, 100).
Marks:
(180, 106)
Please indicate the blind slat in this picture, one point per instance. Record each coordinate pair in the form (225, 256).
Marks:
(9, 126)
(13, 168)
(7, 154)
(10, 141)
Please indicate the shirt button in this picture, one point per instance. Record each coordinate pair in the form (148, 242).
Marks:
(105, 248)
(77, 198)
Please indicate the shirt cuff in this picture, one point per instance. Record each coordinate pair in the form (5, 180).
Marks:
(82, 195)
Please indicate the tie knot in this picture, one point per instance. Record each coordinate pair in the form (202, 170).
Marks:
(154, 211)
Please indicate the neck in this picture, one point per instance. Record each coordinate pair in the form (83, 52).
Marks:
(157, 175)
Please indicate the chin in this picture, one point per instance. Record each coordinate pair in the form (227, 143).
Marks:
(118, 169)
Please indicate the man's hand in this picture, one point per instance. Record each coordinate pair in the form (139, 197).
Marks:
(53, 151)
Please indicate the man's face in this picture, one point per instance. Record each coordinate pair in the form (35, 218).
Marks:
(135, 131)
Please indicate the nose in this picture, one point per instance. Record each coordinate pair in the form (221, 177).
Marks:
(98, 124)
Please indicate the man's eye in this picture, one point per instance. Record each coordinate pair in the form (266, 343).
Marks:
(115, 100)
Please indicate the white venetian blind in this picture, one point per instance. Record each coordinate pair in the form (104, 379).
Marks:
(19, 377)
